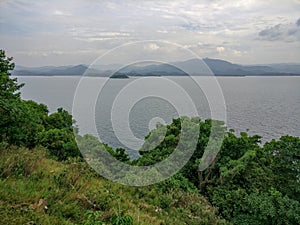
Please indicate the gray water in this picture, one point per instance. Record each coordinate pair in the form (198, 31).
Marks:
(267, 106)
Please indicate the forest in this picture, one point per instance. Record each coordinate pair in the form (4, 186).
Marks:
(45, 179)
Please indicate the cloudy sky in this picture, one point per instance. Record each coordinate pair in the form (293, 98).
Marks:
(59, 32)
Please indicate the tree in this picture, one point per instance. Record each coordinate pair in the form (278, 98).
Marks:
(60, 142)
(27, 123)
(9, 87)
(10, 101)
(285, 164)
(59, 120)
(247, 182)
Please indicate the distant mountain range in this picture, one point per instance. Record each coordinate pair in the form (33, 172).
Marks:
(191, 67)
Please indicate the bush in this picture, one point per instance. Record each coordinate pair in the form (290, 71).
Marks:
(60, 143)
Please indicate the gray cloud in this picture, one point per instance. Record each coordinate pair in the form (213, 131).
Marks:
(289, 32)
(272, 33)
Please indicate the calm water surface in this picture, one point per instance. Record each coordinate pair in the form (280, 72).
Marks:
(268, 106)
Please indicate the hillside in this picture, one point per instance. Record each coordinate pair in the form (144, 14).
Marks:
(36, 189)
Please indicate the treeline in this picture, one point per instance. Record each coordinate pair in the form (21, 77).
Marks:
(247, 183)
(27, 123)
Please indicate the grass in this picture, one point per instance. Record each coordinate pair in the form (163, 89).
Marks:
(35, 189)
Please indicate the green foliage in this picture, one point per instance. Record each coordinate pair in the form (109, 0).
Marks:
(71, 193)
(121, 219)
(93, 218)
(269, 207)
(91, 147)
(285, 164)
(8, 86)
(248, 183)
(177, 181)
(247, 186)
(171, 135)
(19, 161)
(60, 142)
(10, 110)
(27, 123)
(121, 155)
(59, 120)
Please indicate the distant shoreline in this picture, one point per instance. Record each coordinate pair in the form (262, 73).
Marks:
(123, 77)
(192, 67)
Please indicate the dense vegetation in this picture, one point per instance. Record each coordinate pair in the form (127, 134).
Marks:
(247, 183)
(44, 180)
(27, 123)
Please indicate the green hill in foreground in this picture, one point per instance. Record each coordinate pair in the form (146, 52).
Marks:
(35, 189)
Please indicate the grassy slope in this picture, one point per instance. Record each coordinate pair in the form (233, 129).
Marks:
(29, 181)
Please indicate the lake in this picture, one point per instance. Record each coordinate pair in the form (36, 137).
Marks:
(267, 106)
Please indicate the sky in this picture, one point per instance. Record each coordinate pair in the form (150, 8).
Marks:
(58, 32)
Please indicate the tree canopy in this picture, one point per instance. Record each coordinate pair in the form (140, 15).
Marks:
(27, 123)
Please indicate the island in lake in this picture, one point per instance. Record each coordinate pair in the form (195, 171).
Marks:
(119, 76)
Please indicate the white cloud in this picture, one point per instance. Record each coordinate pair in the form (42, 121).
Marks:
(61, 13)
(220, 49)
(163, 31)
(237, 52)
(151, 47)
